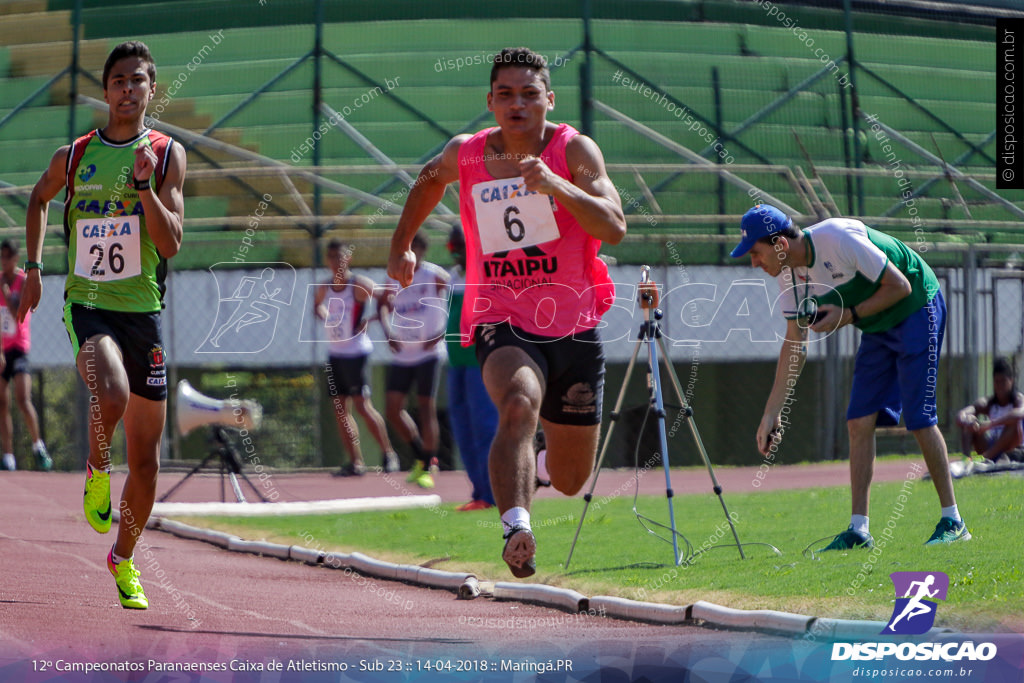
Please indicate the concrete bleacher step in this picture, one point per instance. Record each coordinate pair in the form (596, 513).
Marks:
(35, 27)
(956, 85)
(46, 59)
(22, 6)
(240, 204)
(13, 91)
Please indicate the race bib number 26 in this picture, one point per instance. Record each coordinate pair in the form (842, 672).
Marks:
(511, 217)
(108, 248)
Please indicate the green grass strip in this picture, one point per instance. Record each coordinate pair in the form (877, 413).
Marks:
(616, 556)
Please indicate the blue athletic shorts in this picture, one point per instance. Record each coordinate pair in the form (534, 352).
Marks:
(897, 371)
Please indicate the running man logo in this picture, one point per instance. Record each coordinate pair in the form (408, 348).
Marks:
(916, 593)
(247, 319)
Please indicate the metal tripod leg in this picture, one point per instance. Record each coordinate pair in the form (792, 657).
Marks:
(659, 406)
(688, 412)
(613, 418)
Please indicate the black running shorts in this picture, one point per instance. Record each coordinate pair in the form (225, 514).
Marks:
(138, 337)
(573, 369)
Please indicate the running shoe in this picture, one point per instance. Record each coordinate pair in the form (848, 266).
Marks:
(43, 460)
(10, 464)
(126, 576)
(949, 530)
(96, 499)
(850, 540)
(351, 470)
(420, 477)
(520, 548)
(474, 505)
(391, 463)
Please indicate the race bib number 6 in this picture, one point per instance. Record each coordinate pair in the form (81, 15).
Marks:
(511, 217)
(108, 249)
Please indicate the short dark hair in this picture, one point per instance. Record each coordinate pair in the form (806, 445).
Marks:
(334, 245)
(1003, 366)
(10, 245)
(131, 48)
(419, 239)
(521, 56)
(790, 232)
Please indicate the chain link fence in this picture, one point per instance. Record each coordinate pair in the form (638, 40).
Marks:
(721, 325)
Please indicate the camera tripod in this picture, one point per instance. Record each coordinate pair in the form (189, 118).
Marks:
(223, 448)
(650, 337)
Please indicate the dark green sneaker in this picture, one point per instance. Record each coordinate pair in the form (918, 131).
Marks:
(43, 460)
(949, 530)
(850, 540)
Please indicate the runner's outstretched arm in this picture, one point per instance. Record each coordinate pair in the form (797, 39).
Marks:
(424, 195)
(49, 184)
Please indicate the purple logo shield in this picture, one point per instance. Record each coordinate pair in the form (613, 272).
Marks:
(916, 596)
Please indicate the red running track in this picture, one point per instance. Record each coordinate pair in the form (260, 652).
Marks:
(57, 600)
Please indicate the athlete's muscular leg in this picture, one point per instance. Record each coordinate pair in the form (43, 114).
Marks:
(516, 386)
(143, 426)
(1011, 437)
(430, 431)
(862, 461)
(399, 418)
(571, 453)
(348, 430)
(102, 368)
(23, 395)
(933, 448)
(6, 423)
(374, 422)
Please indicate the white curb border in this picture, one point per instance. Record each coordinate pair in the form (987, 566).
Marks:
(313, 507)
(467, 586)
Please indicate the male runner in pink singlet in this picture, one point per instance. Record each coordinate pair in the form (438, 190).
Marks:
(536, 203)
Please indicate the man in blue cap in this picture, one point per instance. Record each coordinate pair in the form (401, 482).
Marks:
(841, 272)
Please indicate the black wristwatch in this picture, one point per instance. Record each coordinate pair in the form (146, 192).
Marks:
(140, 185)
(854, 318)
(29, 265)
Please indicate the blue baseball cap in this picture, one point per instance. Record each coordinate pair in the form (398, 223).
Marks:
(761, 221)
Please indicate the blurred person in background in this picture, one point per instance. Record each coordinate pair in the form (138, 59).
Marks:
(472, 415)
(343, 303)
(414, 319)
(1001, 436)
(16, 340)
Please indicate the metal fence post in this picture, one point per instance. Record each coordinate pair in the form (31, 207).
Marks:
(587, 75)
(76, 26)
(854, 103)
(970, 326)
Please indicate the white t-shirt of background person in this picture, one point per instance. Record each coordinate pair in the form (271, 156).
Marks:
(419, 313)
(840, 250)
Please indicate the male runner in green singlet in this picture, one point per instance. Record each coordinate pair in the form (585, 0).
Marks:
(123, 214)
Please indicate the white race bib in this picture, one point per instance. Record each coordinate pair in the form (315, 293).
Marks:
(108, 248)
(8, 325)
(333, 324)
(508, 216)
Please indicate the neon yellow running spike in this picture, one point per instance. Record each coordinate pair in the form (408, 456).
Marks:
(420, 476)
(126, 576)
(96, 499)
